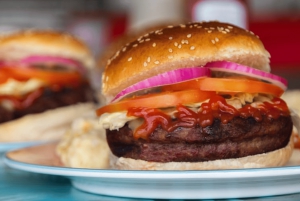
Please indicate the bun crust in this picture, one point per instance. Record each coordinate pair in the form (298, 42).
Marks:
(181, 46)
(22, 44)
(48, 125)
(275, 158)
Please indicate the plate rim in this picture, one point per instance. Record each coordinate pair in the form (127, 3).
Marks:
(11, 146)
(153, 174)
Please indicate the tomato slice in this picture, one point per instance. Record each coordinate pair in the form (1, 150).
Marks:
(161, 100)
(227, 85)
(3, 77)
(50, 77)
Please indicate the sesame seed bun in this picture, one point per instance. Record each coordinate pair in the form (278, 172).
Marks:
(185, 45)
(18, 45)
(121, 41)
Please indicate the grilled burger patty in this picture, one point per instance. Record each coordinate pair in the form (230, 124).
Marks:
(238, 138)
(50, 100)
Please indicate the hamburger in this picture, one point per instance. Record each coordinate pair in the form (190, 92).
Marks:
(196, 96)
(44, 84)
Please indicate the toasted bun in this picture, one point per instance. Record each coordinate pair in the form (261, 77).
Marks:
(125, 39)
(175, 47)
(45, 126)
(275, 158)
(22, 44)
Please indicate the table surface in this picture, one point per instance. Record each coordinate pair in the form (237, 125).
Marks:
(16, 185)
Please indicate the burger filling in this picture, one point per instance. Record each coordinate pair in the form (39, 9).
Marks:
(207, 118)
(28, 89)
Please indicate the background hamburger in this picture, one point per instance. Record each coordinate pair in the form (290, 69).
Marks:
(195, 96)
(43, 85)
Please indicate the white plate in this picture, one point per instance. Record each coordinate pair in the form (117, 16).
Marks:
(7, 146)
(164, 184)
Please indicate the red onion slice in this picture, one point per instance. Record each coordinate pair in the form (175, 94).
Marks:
(70, 63)
(166, 78)
(231, 67)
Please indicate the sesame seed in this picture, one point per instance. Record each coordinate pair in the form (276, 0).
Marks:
(170, 50)
(195, 25)
(224, 32)
(209, 31)
(176, 44)
(179, 46)
(212, 28)
(217, 39)
(213, 41)
(199, 27)
(156, 62)
(141, 41)
(135, 45)
(130, 58)
(230, 27)
(170, 57)
(182, 26)
(108, 62)
(227, 30)
(171, 38)
(159, 33)
(145, 64)
(148, 59)
(140, 38)
(189, 35)
(206, 28)
(191, 26)
(170, 26)
(147, 39)
(154, 44)
(251, 33)
(124, 49)
(184, 42)
(192, 47)
(220, 28)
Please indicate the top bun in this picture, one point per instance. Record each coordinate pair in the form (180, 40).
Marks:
(128, 37)
(25, 43)
(185, 45)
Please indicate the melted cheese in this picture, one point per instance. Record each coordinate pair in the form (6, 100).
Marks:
(17, 88)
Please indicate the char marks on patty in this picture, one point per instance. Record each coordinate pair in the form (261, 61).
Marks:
(238, 138)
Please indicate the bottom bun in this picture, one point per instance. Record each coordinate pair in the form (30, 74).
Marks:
(45, 126)
(275, 158)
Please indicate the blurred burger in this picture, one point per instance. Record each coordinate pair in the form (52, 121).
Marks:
(195, 96)
(43, 84)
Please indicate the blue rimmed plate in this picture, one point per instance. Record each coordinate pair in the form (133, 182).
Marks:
(7, 146)
(161, 184)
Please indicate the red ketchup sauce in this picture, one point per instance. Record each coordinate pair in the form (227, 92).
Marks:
(216, 107)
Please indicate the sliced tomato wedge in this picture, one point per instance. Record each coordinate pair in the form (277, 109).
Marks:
(161, 100)
(3, 77)
(227, 85)
(49, 77)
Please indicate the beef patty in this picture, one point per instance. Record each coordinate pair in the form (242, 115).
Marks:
(50, 100)
(238, 138)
